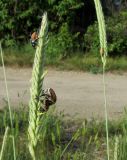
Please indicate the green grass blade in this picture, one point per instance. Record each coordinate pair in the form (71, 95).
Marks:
(8, 100)
(4, 143)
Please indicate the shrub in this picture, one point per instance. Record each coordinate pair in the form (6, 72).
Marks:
(62, 43)
(116, 35)
(91, 39)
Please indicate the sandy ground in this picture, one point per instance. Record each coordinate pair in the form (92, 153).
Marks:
(79, 94)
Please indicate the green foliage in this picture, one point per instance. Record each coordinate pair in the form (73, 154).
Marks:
(20, 18)
(65, 6)
(51, 129)
(19, 56)
(23, 57)
(68, 22)
(61, 44)
(116, 35)
(121, 141)
(20, 122)
(91, 39)
(84, 140)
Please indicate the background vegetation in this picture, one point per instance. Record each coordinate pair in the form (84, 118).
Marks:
(63, 139)
(72, 27)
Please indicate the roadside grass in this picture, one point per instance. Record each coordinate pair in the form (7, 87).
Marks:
(23, 57)
(71, 138)
(19, 56)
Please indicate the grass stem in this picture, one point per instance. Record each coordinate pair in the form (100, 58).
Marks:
(8, 100)
(103, 52)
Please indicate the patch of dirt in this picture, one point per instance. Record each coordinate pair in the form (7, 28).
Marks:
(79, 94)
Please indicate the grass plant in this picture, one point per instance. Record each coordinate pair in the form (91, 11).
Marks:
(36, 88)
(103, 53)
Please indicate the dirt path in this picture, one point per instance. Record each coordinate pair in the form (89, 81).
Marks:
(79, 94)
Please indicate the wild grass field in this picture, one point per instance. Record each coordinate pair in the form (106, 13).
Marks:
(63, 138)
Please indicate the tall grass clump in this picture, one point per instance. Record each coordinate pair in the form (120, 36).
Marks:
(36, 87)
(103, 53)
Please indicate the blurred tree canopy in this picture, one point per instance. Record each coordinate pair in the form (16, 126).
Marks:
(19, 18)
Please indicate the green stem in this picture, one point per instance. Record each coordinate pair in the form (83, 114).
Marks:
(8, 101)
(106, 114)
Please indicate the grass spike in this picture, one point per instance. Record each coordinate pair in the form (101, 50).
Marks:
(36, 87)
(103, 52)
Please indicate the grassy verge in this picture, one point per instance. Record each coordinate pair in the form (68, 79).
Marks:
(91, 64)
(23, 57)
(72, 139)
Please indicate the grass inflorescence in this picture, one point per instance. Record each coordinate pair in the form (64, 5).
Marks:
(103, 54)
(36, 89)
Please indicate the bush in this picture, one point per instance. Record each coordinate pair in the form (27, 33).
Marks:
(116, 35)
(91, 39)
(61, 44)
(20, 18)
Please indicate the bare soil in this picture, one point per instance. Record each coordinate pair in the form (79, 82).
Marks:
(79, 94)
